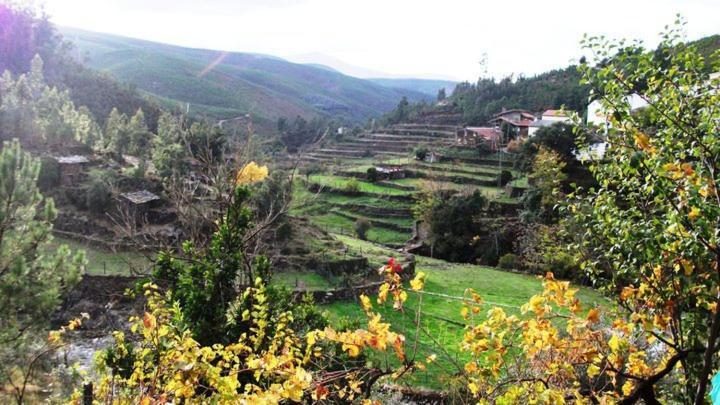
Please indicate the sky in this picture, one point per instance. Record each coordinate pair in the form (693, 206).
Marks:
(439, 39)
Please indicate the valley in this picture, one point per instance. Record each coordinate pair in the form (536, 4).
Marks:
(189, 225)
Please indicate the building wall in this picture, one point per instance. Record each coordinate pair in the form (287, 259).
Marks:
(555, 118)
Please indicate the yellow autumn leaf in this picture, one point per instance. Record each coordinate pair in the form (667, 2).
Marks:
(627, 388)
(642, 141)
(365, 301)
(418, 282)
(593, 315)
(251, 173)
(593, 370)
(149, 321)
(353, 350)
(615, 343)
(687, 266)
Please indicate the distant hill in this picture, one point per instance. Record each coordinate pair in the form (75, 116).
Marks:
(426, 86)
(228, 84)
(26, 34)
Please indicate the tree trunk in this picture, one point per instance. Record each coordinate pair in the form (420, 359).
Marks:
(704, 376)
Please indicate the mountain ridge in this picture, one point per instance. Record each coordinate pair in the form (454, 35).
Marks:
(223, 84)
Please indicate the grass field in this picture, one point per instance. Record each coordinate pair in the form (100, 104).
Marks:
(339, 224)
(302, 280)
(106, 263)
(365, 187)
(441, 323)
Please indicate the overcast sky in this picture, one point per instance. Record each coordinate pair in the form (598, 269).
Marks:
(409, 38)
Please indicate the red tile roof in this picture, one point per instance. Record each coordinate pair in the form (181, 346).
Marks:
(487, 133)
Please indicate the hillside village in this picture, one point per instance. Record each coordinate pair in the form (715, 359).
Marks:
(188, 225)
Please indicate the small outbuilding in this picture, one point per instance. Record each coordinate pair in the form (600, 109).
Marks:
(72, 169)
(140, 205)
(141, 198)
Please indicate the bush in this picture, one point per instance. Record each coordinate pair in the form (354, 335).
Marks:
(352, 186)
(561, 264)
(372, 175)
(98, 191)
(504, 177)
(97, 197)
(508, 261)
(362, 225)
(49, 176)
(421, 153)
(483, 149)
(514, 145)
(310, 169)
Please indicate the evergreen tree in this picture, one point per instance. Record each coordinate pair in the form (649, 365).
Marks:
(29, 108)
(169, 152)
(139, 134)
(117, 136)
(32, 274)
(441, 94)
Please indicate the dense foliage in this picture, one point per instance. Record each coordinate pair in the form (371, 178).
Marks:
(651, 226)
(561, 87)
(559, 138)
(32, 276)
(29, 108)
(301, 132)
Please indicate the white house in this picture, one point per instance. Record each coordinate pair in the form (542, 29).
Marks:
(596, 117)
(555, 116)
(548, 118)
(595, 151)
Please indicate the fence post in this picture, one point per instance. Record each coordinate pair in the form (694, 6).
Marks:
(87, 394)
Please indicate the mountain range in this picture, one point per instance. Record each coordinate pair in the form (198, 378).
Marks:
(228, 84)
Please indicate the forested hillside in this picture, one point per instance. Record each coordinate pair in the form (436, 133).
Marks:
(24, 35)
(560, 87)
(552, 89)
(238, 83)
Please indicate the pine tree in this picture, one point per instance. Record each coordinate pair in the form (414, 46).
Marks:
(139, 134)
(441, 94)
(32, 273)
(169, 153)
(117, 136)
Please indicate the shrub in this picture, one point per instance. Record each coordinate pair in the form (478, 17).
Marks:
(362, 225)
(372, 175)
(98, 191)
(310, 169)
(514, 145)
(561, 264)
(483, 149)
(421, 153)
(139, 171)
(49, 176)
(508, 261)
(352, 186)
(504, 177)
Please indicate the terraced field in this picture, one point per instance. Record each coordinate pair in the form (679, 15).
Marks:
(336, 198)
(387, 143)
